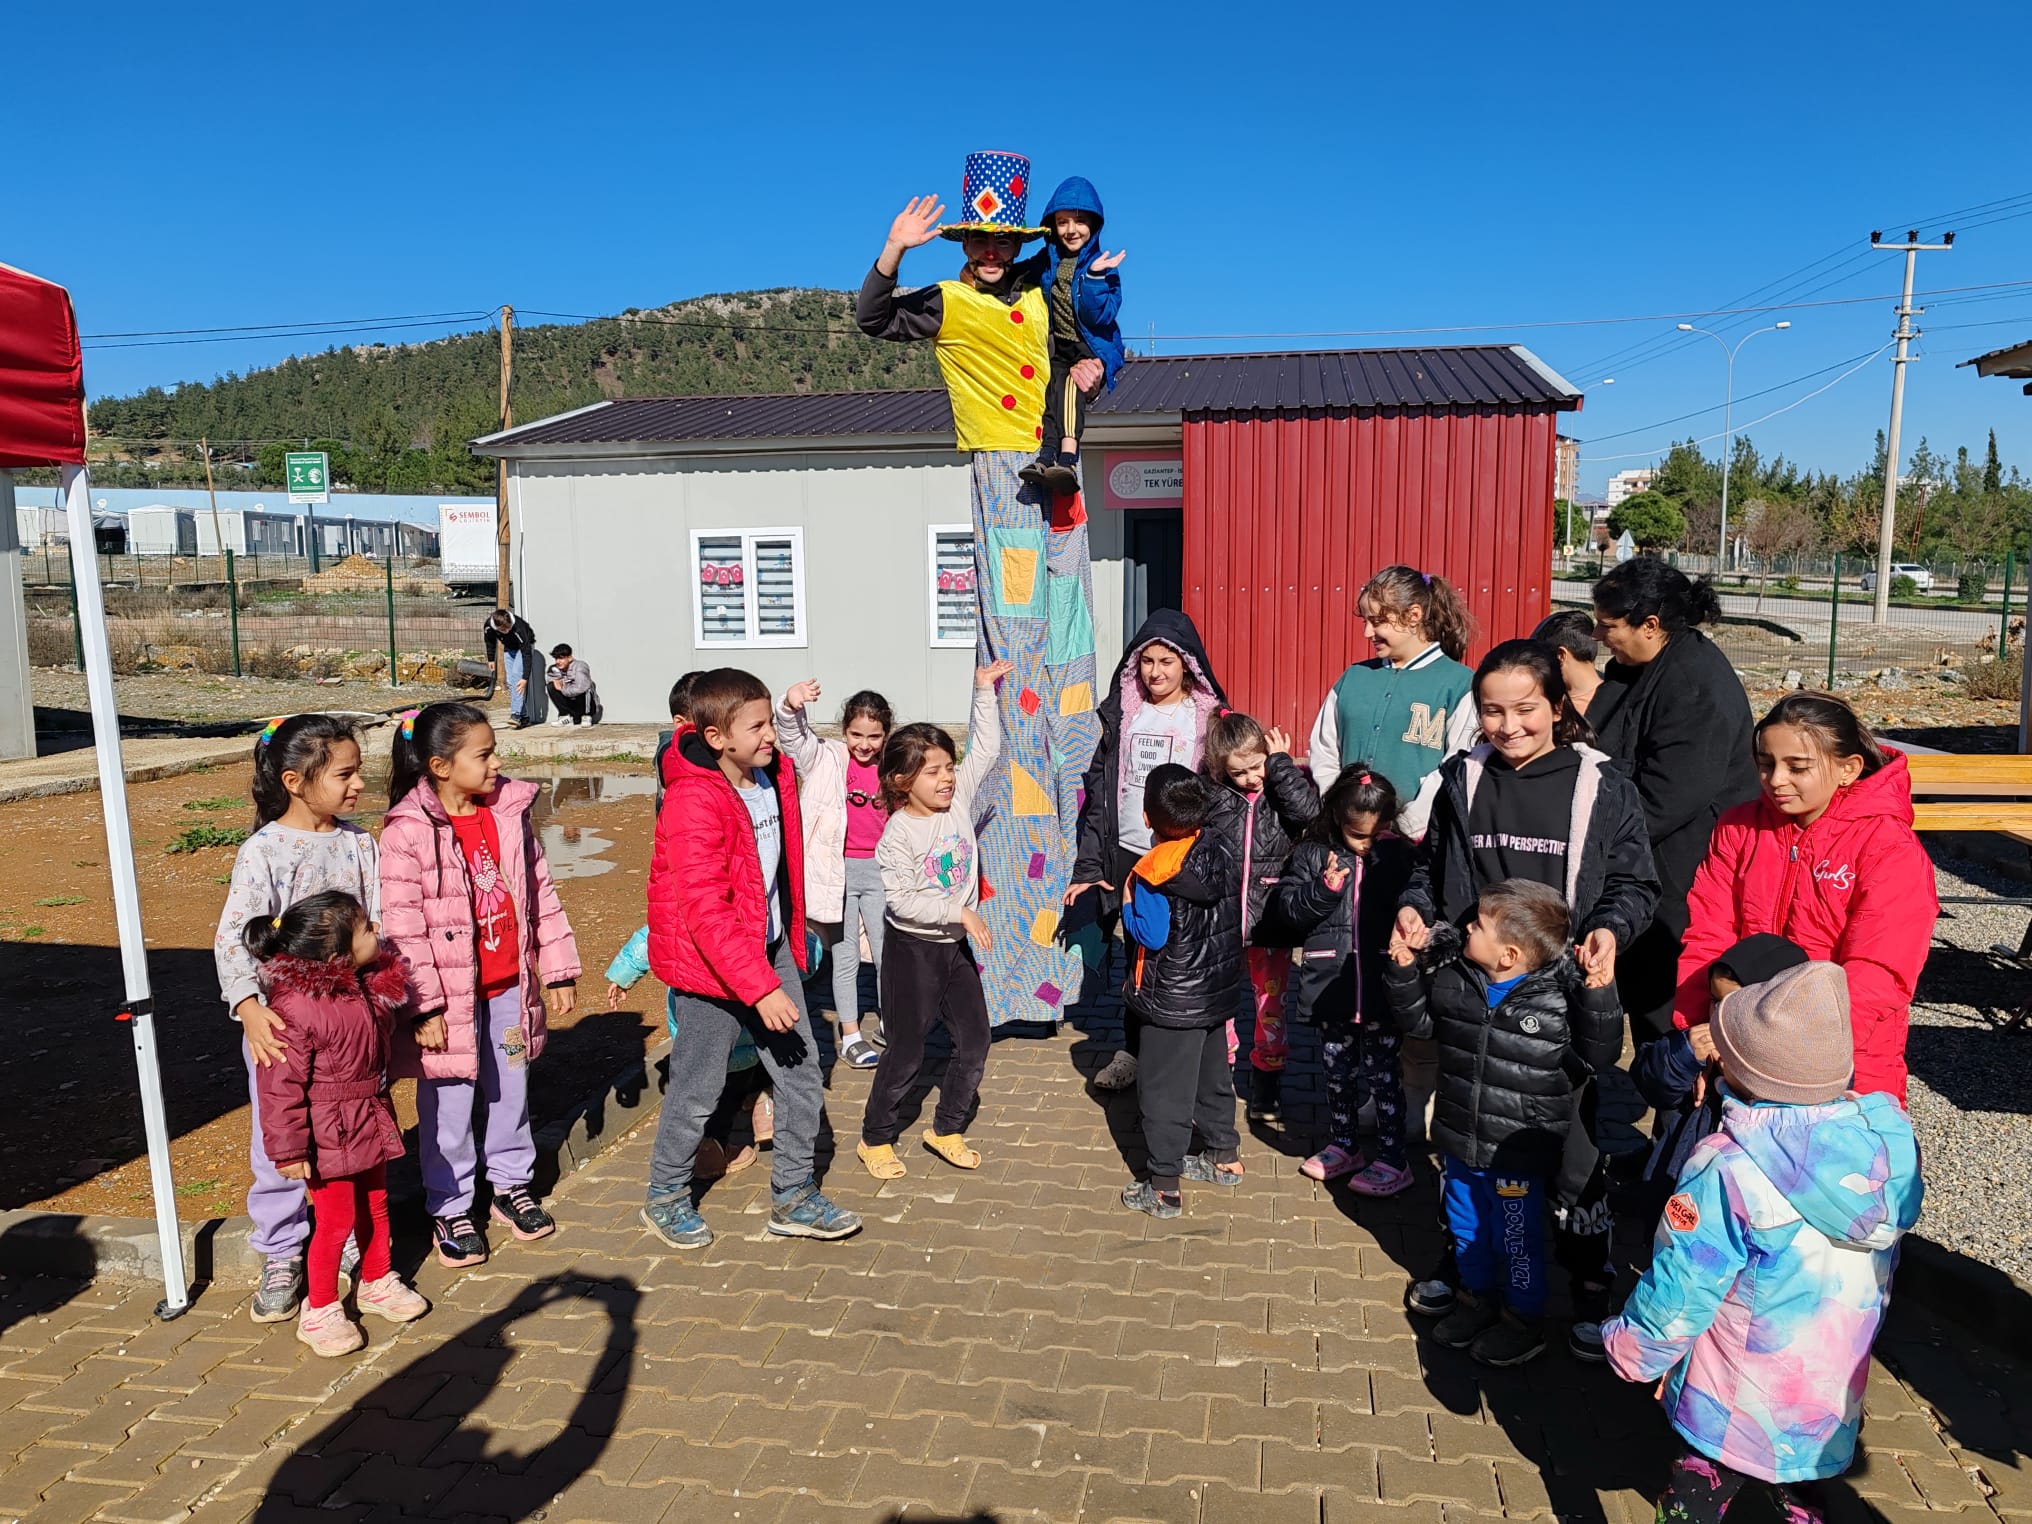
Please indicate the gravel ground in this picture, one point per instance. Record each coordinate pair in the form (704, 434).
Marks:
(190, 703)
(1970, 1104)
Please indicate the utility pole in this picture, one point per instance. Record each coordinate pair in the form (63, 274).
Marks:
(218, 539)
(1911, 248)
(501, 537)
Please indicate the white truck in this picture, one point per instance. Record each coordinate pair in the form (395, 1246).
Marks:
(468, 553)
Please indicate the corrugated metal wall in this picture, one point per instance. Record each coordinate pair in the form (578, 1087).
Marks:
(1285, 518)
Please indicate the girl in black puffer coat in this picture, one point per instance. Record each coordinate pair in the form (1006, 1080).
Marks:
(1259, 803)
(1337, 897)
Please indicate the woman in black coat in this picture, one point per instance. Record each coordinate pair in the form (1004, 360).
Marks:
(1673, 714)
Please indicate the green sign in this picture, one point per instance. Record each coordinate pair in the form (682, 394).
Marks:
(309, 476)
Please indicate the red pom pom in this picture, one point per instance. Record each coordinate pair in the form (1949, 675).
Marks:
(1027, 372)
(1015, 317)
(1008, 401)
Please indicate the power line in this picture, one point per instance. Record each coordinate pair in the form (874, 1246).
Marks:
(1701, 412)
(1744, 428)
(400, 317)
(307, 333)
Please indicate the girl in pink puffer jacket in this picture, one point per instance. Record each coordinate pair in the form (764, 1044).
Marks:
(467, 901)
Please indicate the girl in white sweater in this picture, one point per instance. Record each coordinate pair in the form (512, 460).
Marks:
(929, 858)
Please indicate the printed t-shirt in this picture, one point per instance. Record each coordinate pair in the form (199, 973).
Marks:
(865, 815)
(1158, 734)
(1521, 817)
(766, 813)
(494, 928)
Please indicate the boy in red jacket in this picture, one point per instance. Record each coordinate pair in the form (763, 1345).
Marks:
(726, 933)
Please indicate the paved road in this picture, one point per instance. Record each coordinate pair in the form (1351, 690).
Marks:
(1007, 1346)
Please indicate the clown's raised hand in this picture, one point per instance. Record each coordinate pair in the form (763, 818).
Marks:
(917, 223)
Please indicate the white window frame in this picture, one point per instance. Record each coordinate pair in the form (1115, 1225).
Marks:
(931, 535)
(751, 590)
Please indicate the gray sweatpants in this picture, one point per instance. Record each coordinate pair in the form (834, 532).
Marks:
(864, 907)
(706, 1033)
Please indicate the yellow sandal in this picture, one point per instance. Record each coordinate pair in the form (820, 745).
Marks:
(881, 1161)
(952, 1147)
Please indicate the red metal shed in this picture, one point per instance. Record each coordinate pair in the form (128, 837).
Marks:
(1306, 472)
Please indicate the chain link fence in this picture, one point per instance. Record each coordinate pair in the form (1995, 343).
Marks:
(261, 616)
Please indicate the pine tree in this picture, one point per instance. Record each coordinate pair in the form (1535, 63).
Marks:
(1993, 468)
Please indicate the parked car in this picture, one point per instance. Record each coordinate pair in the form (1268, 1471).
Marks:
(1921, 577)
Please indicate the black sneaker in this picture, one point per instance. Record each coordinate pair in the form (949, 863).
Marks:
(1429, 1299)
(1060, 480)
(1472, 1316)
(1266, 1096)
(457, 1241)
(1511, 1340)
(1032, 475)
(525, 1219)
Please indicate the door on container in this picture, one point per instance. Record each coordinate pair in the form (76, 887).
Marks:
(1153, 563)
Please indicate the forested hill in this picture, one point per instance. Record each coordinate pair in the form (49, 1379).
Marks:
(396, 418)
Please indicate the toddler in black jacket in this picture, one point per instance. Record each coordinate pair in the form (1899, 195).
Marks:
(1519, 1030)
(1181, 906)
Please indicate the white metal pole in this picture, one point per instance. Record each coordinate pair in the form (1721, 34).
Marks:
(1728, 452)
(139, 1010)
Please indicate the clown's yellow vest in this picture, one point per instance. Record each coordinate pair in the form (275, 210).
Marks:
(994, 357)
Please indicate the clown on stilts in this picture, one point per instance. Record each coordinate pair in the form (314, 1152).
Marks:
(1034, 588)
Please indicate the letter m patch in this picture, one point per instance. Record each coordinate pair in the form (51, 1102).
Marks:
(1427, 728)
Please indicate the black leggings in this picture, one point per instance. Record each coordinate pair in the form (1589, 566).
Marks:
(925, 983)
(1702, 1491)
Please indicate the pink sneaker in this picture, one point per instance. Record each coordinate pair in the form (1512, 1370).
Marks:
(1381, 1179)
(1330, 1163)
(328, 1331)
(390, 1298)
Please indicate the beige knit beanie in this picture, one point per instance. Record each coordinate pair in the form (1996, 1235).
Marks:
(1788, 1039)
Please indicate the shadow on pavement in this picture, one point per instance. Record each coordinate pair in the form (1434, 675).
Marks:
(410, 1446)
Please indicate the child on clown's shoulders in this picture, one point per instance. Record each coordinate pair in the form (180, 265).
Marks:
(1084, 295)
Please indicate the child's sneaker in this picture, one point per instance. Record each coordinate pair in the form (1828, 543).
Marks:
(676, 1221)
(1511, 1340)
(280, 1293)
(1204, 1169)
(1381, 1179)
(1472, 1316)
(526, 1220)
(1266, 1096)
(392, 1299)
(859, 1053)
(457, 1241)
(1119, 1073)
(1590, 1311)
(1331, 1162)
(328, 1331)
(1142, 1196)
(1429, 1299)
(806, 1213)
(1059, 479)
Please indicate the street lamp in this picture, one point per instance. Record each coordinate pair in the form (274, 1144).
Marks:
(1728, 423)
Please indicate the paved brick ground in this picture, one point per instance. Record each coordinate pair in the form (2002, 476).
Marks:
(1007, 1345)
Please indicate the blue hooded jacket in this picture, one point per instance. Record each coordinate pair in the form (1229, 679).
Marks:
(1097, 299)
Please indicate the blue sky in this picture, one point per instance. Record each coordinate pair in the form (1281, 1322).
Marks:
(1363, 168)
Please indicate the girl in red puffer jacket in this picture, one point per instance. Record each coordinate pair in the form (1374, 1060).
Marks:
(1827, 858)
(325, 1113)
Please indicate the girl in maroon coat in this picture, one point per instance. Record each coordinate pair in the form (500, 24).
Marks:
(325, 1113)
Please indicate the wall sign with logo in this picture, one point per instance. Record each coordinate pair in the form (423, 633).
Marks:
(1144, 481)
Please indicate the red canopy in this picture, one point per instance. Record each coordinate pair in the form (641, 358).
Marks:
(42, 374)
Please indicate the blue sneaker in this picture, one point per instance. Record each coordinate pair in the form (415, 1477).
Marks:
(805, 1213)
(677, 1222)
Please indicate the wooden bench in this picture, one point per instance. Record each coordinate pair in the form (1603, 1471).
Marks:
(1953, 792)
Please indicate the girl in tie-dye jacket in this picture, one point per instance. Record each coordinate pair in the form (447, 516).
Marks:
(1770, 1275)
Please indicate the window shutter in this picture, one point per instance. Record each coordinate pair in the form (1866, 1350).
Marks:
(723, 596)
(953, 594)
(776, 589)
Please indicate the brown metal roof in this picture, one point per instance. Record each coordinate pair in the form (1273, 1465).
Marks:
(1167, 387)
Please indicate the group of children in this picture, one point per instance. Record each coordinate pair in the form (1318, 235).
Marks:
(1469, 963)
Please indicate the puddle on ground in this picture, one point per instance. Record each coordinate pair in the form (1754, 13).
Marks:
(574, 851)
